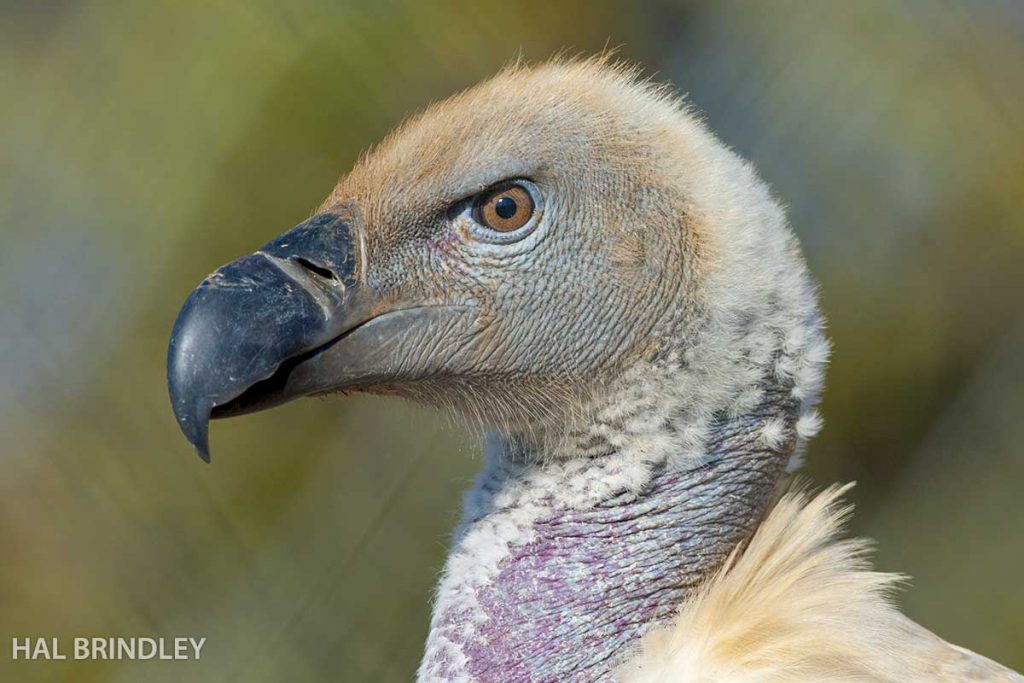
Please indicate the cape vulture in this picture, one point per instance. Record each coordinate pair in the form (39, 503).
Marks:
(567, 257)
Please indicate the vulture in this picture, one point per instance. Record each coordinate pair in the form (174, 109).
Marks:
(565, 257)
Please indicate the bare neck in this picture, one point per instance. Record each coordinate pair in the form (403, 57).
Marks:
(560, 566)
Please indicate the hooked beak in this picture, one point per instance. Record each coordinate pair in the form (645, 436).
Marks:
(247, 318)
(290, 320)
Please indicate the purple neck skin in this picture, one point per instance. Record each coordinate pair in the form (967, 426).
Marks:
(541, 587)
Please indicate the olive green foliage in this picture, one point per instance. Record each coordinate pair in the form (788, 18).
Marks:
(145, 143)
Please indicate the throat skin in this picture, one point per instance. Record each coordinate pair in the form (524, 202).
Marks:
(559, 567)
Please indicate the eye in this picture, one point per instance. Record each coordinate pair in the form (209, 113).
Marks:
(505, 209)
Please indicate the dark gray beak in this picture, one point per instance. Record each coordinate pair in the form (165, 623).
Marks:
(246, 325)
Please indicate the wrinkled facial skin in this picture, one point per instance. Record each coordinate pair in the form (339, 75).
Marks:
(558, 303)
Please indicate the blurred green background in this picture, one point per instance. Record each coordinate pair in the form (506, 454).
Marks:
(142, 144)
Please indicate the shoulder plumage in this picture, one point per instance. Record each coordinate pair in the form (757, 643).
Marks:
(799, 604)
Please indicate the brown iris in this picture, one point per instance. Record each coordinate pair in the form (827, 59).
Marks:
(505, 209)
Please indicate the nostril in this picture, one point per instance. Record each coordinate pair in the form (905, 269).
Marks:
(325, 273)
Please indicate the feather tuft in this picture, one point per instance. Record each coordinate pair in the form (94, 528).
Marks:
(799, 604)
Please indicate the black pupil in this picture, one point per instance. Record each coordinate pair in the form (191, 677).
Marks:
(505, 207)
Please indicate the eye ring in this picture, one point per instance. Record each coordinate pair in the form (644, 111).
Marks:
(506, 208)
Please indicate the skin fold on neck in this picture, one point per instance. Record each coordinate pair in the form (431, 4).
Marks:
(560, 566)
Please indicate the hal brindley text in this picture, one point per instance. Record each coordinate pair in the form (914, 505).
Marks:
(135, 647)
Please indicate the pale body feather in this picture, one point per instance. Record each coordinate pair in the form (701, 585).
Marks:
(799, 604)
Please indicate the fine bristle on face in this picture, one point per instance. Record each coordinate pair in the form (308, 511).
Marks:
(608, 264)
(647, 225)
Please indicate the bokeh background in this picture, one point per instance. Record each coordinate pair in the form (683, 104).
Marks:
(144, 143)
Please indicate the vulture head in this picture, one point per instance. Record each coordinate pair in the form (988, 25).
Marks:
(566, 256)
(511, 254)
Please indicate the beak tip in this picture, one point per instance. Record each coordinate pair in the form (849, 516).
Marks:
(194, 424)
(191, 411)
